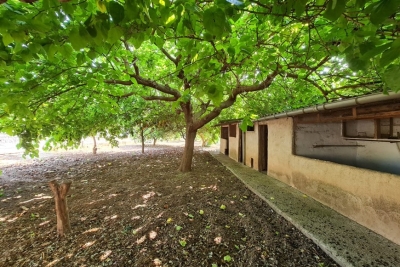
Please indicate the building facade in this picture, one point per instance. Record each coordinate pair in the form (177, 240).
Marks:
(345, 154)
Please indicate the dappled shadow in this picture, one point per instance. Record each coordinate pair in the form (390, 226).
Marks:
(137, 210)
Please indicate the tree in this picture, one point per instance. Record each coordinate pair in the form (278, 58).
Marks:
(208, 135)
(199, 55)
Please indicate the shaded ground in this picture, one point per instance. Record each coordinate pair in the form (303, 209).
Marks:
(129, 209)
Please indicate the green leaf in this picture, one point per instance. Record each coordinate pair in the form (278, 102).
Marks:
(356, 63)
(300, 7)
(360, 3)
(391, 77)
(7, 39)
(80, 59)
(382, 10)
(76, 40)
(114, 34)
(116, 11)
(91, 54)
(366, 46)
(396, 43)
(69, 8)
(91, 29)
(245, 123)
(66, 50)
(375, 51)
(214, 21)
(138, 39)
(389, 55)
(227, 258)
(334, 9)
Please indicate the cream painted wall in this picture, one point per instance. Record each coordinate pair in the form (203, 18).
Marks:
(234, 145)
(251, 147)
(223, 144)
(369, 197)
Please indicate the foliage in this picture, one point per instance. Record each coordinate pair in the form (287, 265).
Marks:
(208, 134)
(59, 58)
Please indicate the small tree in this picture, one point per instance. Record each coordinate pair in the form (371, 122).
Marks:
(60, 196)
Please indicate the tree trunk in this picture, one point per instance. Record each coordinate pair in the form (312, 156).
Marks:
(203, 140)
(186, 162)
(60, 197)
(142, 139)
(94, 145)
(154, 141)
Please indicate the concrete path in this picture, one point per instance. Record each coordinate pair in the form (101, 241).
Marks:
(347, 242)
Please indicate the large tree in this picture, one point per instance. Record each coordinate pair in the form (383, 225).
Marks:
(200, 55)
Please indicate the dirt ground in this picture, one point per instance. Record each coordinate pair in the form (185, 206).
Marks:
(129, 209)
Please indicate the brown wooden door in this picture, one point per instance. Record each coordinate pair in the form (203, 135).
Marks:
(263, 148)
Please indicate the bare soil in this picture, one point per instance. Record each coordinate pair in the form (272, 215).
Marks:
(129, 209)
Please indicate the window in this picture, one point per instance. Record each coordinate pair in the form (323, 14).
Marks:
(232, 130)
(388, 128)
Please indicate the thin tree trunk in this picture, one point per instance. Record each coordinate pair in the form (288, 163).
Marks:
(154, 141)
(203, 140)
(94, 145)
(60, 197)
(142, 139)
(186, 162)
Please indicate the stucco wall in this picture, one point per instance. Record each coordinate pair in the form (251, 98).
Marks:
(251, 147)
(373, 155)
(234, 145)
(369, 197)
(327, 137)
(223, 144)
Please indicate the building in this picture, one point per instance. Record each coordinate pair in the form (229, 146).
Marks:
(345, 154)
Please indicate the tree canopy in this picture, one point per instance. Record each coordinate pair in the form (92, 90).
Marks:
(59, 58)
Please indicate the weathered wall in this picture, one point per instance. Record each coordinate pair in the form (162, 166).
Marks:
(371, 198)
(373, 155)
(379, 156)
(251, 147)
(223, 144)
(328, 141)
(234, 145)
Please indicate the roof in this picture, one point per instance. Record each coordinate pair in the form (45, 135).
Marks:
(227, 122)
(344, 103)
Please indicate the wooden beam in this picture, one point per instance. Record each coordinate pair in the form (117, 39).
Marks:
(383, 115)
(355, 112)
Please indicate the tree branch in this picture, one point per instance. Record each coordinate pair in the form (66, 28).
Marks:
(170, 57)
(149, 83)
(162, 98)
(357, 85)
(240, 89)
